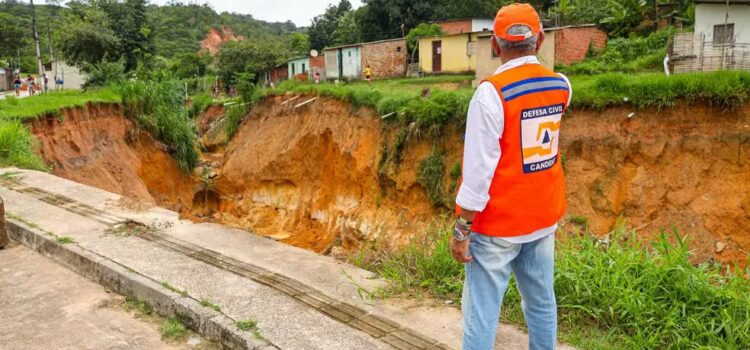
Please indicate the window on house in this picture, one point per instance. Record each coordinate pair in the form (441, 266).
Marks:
(723, 34)
(303, 68)
(398, 49)
(350, 54)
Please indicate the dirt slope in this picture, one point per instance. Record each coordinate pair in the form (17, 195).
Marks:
(311, 178)
(96, 145)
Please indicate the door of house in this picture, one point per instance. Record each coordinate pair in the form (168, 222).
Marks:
(437, 56)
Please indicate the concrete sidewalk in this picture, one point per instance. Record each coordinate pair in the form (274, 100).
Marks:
(38, 296)
(299, 299)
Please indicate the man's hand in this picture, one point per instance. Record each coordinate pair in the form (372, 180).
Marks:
(460, 251)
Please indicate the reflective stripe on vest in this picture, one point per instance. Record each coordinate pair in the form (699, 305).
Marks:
(527, 192)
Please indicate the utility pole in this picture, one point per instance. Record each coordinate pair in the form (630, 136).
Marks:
(725, 39)
(51, 56)
(40, 68)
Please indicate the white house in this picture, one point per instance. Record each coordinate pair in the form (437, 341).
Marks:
(721, 39)
(71, 77)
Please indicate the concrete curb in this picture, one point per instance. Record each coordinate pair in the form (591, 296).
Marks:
(211, 324)
(4, 239)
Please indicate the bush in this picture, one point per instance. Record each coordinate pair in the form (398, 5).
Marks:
(158, 106)
(626, 55)
(200, 103)
(103, 74)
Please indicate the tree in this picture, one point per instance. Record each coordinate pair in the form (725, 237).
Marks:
(190, 64)
(422, 30)
(299, 43)
(323, 26)
(12, 35)
(250, 57)
(84, 44)
(347, 31)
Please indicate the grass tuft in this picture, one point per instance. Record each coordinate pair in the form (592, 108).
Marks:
(247, 325)
(139, 306)
(64, 240)
(172, 329)
(430, 176)
(181, 292)
(211, 305)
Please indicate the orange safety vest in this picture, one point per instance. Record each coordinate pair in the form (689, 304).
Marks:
(528, 189)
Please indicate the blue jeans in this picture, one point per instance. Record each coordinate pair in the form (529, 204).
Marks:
(486, 281)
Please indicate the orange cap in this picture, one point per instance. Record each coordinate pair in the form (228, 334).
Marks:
(516, 14)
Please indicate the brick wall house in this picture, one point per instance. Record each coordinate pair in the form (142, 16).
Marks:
(468, 25)
(572, 43)
(386, 58)
(318, 65)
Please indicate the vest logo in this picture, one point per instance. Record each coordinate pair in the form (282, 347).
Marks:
(540, 137)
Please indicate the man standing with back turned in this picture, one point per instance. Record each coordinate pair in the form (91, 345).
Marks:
(513, 191)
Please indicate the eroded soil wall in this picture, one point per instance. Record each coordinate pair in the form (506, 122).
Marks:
(313, 176)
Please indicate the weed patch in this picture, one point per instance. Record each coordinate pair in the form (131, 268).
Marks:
(139, 306)
(64, 240)
(211, 305)
(158, 107)
(172, 329)
(625, 293)
(17, 146)
(430, 176)
(174, 289)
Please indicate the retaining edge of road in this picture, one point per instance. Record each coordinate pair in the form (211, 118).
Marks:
(120, 279)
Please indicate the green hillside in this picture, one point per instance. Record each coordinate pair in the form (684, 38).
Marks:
(175, 28)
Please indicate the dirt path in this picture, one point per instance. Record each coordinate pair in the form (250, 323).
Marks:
(45, 306)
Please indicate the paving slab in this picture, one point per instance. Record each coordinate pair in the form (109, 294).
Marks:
(301, 300)
(45, 306)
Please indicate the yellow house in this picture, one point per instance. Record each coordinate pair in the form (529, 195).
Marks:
(452, 53)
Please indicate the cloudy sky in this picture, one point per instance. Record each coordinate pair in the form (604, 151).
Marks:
(298, 11)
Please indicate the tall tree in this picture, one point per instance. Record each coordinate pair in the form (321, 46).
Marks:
(324, 26)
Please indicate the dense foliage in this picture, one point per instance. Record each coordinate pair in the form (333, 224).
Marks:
(627, 55)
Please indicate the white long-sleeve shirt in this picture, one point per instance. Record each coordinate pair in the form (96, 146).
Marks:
(484, 129)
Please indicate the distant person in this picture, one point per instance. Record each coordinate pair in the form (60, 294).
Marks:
(368, 74)
(46, 83)
(17, 86)
(512, 194)
(317, 77)
(30, 85)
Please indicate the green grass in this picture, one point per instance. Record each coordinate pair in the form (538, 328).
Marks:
(252, 326)
(173, 329)
(139, 306)
(726, 90)
(436, 107)
(247, 325)
(430, 176)
(158, 107)
(65, 240)
(199, 104)
(18, 146)
(174, 289)
(51, 103)
(622, 295)
(211, 305)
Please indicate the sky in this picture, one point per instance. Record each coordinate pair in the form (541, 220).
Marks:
(301, 12)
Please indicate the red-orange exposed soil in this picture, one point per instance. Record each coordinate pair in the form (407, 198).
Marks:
(96, 145)
(216, 37)
(310, 176)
